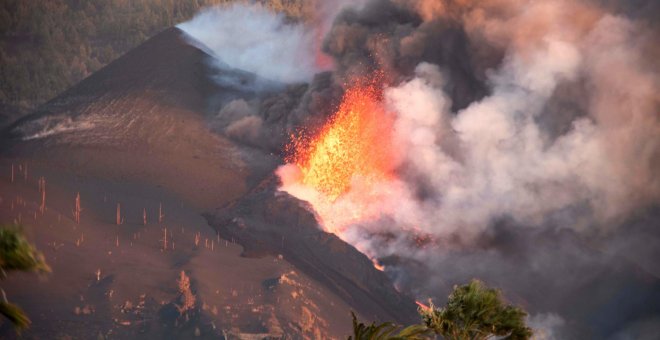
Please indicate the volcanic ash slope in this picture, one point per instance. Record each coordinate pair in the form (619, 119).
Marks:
(132, 140)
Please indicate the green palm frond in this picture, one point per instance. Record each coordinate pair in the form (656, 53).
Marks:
(414, 332)
(16, 253)
(475, 311)
(384, 331)
(15, 314)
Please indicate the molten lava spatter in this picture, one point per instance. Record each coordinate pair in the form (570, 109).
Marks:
(356, 141)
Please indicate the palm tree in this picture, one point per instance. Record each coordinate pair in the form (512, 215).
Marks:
(384, 331)
(476, 312)
(17, 254)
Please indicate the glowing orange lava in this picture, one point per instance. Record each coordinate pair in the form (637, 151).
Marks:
(377, 265)
(356, 141)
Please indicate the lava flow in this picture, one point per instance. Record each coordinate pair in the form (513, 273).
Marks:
(341, 169)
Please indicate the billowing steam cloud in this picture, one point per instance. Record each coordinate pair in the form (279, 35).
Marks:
(505, 161)
(254, 39)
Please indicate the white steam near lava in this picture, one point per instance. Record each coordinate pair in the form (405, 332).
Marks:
(255, 39)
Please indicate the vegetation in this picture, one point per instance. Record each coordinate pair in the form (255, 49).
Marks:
(16, 254)
(385, 331)
(47, 46)
(473, 312)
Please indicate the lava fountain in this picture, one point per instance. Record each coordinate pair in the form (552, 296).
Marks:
(350, 144)
(346, 169)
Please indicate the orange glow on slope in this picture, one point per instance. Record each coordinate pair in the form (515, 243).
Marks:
(356, 141)
(377, 265)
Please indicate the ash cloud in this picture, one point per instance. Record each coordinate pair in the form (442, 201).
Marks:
(273, 65)
(508, 164)
(268, 120)
(496, 157)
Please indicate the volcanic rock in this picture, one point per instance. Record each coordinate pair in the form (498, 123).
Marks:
(267, 221)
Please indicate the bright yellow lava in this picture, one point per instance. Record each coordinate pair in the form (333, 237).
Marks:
(356, 141)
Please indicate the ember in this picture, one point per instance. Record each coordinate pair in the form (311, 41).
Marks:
(356, 141)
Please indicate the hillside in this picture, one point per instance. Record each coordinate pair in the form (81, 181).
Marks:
(148, 103)
(133, 138)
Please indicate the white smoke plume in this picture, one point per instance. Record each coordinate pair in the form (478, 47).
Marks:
(494, 158)
(254, 39)
(546, 326)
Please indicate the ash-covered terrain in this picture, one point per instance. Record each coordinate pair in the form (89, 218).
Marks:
(135, 137)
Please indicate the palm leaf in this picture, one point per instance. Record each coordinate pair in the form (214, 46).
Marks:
(16, 253)
(15, 314)
(384, 331)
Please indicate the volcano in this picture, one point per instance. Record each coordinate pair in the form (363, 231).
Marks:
(223, 181)
(150, 101)
(133, 142)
